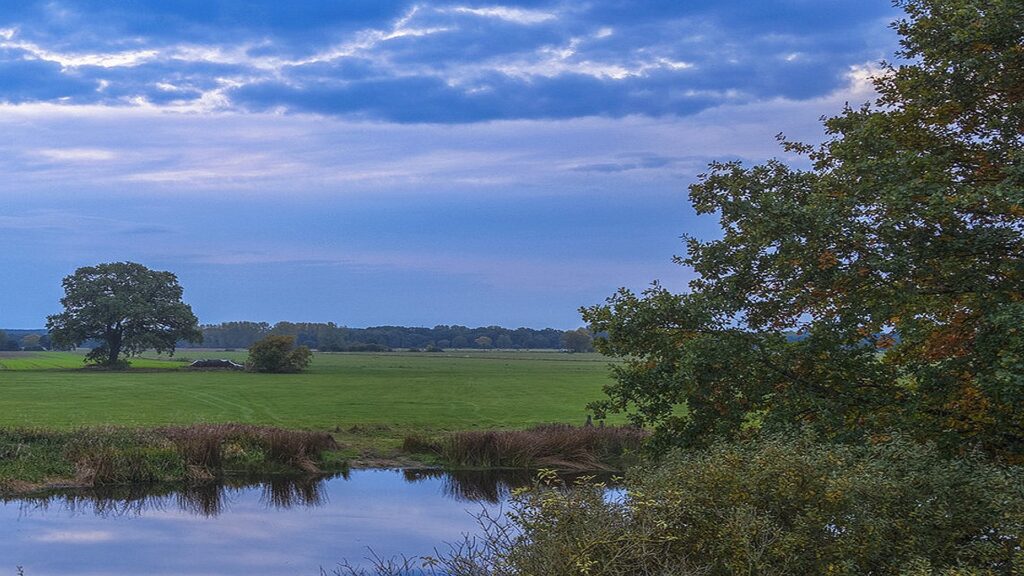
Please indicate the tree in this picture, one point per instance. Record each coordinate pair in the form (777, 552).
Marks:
(483, 342)
(880, 288)
(6, 343)
(127, 307)
(578, 340)
(31, 342)
(277, 353)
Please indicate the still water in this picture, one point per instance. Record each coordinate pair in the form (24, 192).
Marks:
(278, 527)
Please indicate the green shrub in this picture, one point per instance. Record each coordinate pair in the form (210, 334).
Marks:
(787, 506)
(778, 506)
(278, 354)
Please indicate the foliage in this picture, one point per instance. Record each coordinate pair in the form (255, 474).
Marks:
(278, 354)
(777, 506)
(7, 343)
(127, 307)
(329, 337)
(578, 340)
(880, 288)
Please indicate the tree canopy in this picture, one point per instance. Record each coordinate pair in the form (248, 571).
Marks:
(127, 307)
(881, 288)
(578, 340)
(278, 354)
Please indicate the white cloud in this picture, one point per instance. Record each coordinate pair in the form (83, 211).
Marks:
(159, 149)
(553, 61)
(516, 15)
(76, 154)
(74, 60)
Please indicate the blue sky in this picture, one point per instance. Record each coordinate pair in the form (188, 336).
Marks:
(369, 162)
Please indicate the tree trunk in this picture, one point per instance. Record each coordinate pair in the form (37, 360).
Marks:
(113, 347)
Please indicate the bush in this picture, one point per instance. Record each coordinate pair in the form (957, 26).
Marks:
(789, 506)
(278, 354)
(779, 506)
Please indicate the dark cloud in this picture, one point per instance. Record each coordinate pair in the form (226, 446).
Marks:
(29, 81)
(436, 62)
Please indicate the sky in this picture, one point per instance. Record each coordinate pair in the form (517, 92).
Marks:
(371, 162)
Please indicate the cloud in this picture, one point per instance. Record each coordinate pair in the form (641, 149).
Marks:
(145, 149)
(515, 15)
(630, 162)
(430, 62)
(76, 154)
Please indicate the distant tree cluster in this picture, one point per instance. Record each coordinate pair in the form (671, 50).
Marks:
(578, 340)
(26, 340)
(7, 343)
(333, 338)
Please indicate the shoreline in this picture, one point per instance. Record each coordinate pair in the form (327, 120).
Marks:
(40, 460)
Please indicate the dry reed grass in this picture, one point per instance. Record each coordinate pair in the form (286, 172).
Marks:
(206, 445)
(557, 446)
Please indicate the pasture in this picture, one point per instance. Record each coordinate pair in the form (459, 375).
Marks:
(396, 391)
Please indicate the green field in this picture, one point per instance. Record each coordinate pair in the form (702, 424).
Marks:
(403, 391)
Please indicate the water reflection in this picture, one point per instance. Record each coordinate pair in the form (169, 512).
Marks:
(202, 499)
(492, 486)
(211, 499)
(251, 527)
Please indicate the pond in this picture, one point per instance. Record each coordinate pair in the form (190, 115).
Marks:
(273, 527)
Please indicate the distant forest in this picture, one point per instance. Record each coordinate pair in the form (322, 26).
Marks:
(329, 337)
(333, 338)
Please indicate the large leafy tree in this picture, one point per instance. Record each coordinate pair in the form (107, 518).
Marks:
(883, 287)
(127, 307)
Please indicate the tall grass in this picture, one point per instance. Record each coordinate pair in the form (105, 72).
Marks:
(556, 446)
(208, 445)
(114, 455)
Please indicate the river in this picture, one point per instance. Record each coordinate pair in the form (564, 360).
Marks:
(272, 527)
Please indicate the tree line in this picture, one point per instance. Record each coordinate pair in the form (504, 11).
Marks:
(330, 337)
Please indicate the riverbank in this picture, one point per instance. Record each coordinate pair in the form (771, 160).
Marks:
(39, 459)
(34, 459)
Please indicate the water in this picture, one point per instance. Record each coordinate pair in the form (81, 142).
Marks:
(278, 527)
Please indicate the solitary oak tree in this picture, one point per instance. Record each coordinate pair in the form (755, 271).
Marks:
(127, 307)
(881, 289)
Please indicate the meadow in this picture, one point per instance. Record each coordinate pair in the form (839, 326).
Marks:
(402, 391)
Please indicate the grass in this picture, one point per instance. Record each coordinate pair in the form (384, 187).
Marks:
(403, 390)
(91, 457)
(558, 446)
(370, 402)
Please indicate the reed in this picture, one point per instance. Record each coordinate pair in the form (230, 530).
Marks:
(115, 455)
(556, 446)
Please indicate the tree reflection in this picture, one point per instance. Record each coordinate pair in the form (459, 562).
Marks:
(210, 499)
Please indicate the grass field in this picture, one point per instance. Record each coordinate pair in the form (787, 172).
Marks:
(406, 391)
(369, 403)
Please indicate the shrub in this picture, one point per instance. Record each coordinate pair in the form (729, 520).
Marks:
(788, 506)
(278, 354)
(778, 506)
